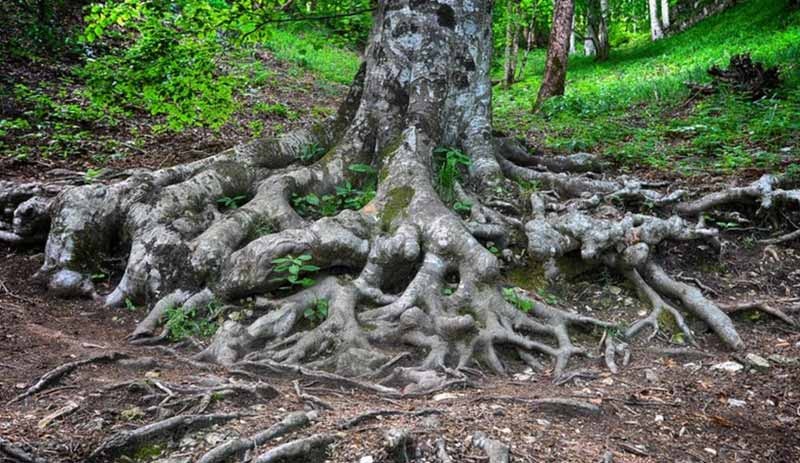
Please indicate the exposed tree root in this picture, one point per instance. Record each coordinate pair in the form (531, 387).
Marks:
(441, 451)
(239, 446)
(760, 306)
(15, 454)
(156, 432)
(307, 449)
(56, 373)
(496, 451)
(411, 290)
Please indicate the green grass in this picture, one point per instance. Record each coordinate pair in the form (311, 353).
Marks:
(633, 106)
(311, 49)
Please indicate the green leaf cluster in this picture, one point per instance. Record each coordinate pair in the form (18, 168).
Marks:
(296, 270)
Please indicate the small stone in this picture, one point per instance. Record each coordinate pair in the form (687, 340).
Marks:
(445, 396)
(542, 422)
(132, 413)
(710, 450)
(736, 403)
(650, 375)
(614, 290)
(783, 360)
(366, 459)
(152, 374)
(659, 419)
(214, 438)
(769, 402)
(757, 361)
(187, 441)
(729, 366)
(431, 422)
(607, 381)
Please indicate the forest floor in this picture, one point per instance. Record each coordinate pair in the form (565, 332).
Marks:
(658, 408)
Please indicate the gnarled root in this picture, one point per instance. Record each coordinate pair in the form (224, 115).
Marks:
(155, 432)
(239, 446)
(405, 273)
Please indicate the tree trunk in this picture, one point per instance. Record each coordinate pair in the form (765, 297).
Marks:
(405, 271)
(555, 72)
(596, 42)
(589, 41)
(529, 33)
(512, 46)
(664, 15)
(656, 32)
(572, 38)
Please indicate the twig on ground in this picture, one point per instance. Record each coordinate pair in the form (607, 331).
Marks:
(16, 454)
(358, 419)
(55, 374)
(314, 400)
(760, 306)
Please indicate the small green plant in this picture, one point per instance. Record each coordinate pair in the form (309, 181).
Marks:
(91, 175)
(450, 162)
(346, 196)
(129, 304)
(528, 186)
(547, 296)
(231, 202)
(182, 323)
(462, 208)
(523, 304)
(311, 152)
(318, 312)
(793, 172)
(296, 270)
(98, 276)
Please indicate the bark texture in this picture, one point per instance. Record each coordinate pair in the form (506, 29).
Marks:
(596, 41)
(656, 30)
(413, 289)
(555, 71)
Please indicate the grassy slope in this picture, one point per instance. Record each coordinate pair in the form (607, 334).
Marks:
(633, 106)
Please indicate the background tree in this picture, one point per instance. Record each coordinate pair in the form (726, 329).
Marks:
(656, 28)
(555, 72)
(596, 42)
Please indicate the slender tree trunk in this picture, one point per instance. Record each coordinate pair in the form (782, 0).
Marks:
(572, 38)
(555, 72)
(656, 32)
(589, 40)
(599, 16)
(512, 46)
(664, 15)
(529, 33)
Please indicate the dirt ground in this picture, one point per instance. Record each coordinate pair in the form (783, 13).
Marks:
(658, 408)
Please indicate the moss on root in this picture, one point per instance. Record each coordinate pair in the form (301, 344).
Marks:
(398, 200)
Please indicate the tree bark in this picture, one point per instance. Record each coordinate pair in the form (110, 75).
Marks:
(656, 32)
(512, 45)
(664, 15)
(555, 72)
(572, 36)
(596, 42)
